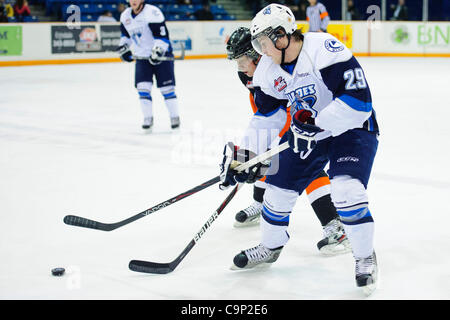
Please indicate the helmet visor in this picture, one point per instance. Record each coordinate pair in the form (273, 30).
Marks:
(262, 43)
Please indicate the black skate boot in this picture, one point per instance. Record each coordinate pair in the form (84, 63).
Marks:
(367, 273)
(249, 216)
(259, 255)
(335, 241)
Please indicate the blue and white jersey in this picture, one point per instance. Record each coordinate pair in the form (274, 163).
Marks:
(144, 31)
(328, 78)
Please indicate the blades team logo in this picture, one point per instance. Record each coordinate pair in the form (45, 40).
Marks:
(279, 84)
(267, 11)
(333, 45)
(306, 94)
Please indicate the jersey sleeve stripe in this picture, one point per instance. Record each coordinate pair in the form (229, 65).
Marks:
(356, 104)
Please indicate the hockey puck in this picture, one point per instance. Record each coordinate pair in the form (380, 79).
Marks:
(58, 272)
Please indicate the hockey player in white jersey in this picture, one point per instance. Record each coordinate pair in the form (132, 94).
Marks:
(334, 123)
(146, 38)
(266, 127)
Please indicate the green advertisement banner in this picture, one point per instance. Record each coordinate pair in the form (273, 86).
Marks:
(10, 41)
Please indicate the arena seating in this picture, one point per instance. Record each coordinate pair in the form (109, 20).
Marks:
(91, 9)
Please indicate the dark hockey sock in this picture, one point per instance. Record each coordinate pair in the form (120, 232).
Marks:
(324, 209)
(258, 194)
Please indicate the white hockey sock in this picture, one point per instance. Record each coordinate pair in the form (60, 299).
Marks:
(361, 238)
(145, 90)
(147, 107)
(273, 236)
(171, 100)
(172, 106)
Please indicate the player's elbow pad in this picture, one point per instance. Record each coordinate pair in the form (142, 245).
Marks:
(338, 117)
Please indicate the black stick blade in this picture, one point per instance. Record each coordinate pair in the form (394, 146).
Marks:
(150, 267)
(86, 223)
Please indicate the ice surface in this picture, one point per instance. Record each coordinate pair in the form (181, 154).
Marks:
(71, 143)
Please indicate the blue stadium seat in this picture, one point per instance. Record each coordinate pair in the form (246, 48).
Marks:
(174, 9)
(31, 19)
(229, 17)
(111, 7)
(173, 17)
(218, 9)
(88, 18)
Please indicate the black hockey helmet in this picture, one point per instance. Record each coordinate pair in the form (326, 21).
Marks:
(240, 43)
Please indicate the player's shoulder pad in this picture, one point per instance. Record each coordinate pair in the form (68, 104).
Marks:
(264, 75)
(262, 69)
(153, 14)
(125, 16)
(324, 49)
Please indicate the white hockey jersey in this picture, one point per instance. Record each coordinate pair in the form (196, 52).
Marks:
(328, 78)
(144, 31)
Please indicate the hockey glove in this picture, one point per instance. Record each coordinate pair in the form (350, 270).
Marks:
(157, 54)
(125, 53)
(233, 157)
(301, 134)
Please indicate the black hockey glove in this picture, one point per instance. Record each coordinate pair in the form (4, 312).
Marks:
(125, 53)
(233, 157)
(301, 134)
(157, 54)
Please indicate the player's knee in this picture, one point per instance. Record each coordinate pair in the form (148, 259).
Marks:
(168, 92)
(144, 90)
(278, 204)
(350, 199)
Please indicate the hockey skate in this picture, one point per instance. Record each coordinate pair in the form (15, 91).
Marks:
(335, 241)
(148, 124)
(257, 256)
(175, 122)
(367, 273)
(249, 216)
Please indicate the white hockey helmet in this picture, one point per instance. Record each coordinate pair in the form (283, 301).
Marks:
(269, 22)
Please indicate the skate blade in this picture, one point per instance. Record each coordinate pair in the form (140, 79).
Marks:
(147, 131)
(334, 250)
(252, 223)
(261, 266)
(369, 289)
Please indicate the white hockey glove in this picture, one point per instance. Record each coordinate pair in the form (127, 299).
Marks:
(157, 54)
(233, 157)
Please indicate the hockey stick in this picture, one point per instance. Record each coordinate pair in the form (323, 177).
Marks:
(91, 224)
(163, 268)
(164, 58)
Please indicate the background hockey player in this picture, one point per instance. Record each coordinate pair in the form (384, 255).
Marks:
(336, 125)
(267, 126)
(144, 34)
